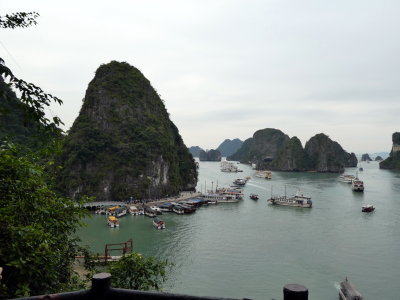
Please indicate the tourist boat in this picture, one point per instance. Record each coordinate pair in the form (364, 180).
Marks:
(234, 192)
(348, 292)
(178, 209)
(112, 221)
(254, 196)
(166, 206)
(134, 211)
(230, 167)
(158, 223)
(346, 178)
(121, 211)
(368, 208)
(357, 185)
(149, 212)
(215, 198)
(264, 174)
(297, 200)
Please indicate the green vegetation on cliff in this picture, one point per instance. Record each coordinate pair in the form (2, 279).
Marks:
(123, 143)
(262, 147)
(393, 161)
(325, 155)
(291, 157)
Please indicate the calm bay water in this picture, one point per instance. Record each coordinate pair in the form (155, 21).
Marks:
(252, 249)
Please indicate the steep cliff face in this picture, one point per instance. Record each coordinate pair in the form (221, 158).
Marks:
(229, 147)
(262, 147)
(210, 155)
(393, 161)
(325, 155)
(123, 144)
(291, 157)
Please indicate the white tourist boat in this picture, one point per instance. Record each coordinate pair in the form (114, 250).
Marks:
(297, 200)
(230, 167)
(346, 178)
(357, 185)
(215, 198)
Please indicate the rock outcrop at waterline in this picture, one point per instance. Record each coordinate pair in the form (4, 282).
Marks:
(272, 149)
(393, 161)
(123, 143)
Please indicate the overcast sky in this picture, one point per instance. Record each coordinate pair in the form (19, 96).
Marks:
(226, 69)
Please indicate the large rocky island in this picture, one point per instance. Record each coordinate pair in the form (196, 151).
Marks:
(393, 161)
(123, 143)
(272, 149)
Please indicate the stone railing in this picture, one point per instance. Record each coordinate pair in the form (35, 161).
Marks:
(101, 289)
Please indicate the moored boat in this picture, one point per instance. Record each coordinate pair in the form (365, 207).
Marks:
(348, 292)
(135, 211)
(158, 223)
(166, 206)
(112, 221)
(149, 212)
(368, 208)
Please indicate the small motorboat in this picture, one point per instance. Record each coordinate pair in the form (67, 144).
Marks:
(158, 223)
(254, 196)
(368, 208)
(112, 221)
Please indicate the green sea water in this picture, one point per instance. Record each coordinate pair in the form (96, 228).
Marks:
(251, 249)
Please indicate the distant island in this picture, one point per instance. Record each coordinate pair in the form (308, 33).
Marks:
(272, 149)
(195, 150)
(229, 147)
(393, 161)
(210, 155)
(365, 157)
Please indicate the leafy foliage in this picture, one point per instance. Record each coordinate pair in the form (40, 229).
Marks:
(134, 271)
(37, 243)
(19, 19)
